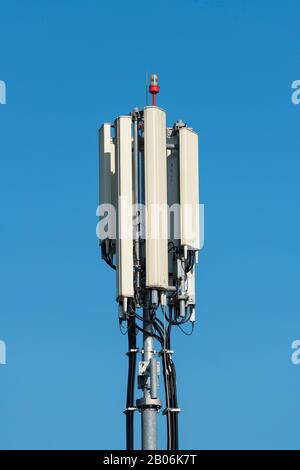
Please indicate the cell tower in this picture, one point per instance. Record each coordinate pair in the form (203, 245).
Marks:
(149, 209)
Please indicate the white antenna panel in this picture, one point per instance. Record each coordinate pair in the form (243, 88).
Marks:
(123, 142)
(189, 188)
(155, 167)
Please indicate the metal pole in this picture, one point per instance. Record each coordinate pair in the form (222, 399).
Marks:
(149, 429)
(149, 404)
(149, 413)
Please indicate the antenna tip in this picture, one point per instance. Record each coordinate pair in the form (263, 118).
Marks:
(154, 87)
(154, 79)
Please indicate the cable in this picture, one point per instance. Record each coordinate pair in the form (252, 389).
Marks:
(162, 329)
(167, 386)
(123, 331)
(184, 332)
(130, 405)
(191, 262)
(106, 256)
(171, 403)
(153, 334)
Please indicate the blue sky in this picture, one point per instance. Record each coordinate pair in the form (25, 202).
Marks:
(226, 68)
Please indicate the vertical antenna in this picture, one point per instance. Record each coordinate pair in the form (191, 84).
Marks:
(146, 88)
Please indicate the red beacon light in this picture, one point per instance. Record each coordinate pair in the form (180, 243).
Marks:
(154, 88)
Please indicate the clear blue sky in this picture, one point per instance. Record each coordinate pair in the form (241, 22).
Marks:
(226, 68)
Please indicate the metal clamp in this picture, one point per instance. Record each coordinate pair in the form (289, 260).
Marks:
(167, 351)
(143, 403)
(132, 351)
(130, 408)
(171, 410)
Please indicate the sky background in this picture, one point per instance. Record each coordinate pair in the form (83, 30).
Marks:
(225, 68)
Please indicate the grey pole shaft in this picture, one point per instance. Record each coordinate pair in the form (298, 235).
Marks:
(149, 429)
(149, 414)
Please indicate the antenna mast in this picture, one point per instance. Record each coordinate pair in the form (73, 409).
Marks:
(149, 178)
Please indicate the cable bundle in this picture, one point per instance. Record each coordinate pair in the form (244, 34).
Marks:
(130, 405)
(106, 255)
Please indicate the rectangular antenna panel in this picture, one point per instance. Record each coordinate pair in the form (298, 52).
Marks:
(123, 144)
(106, 164)
(156, 222)
(190, 279)
(107, 172)
(189, 188)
